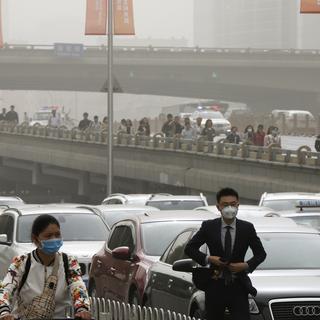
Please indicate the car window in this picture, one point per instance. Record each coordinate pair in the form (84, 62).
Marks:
(113, 201)
(164, 232)
(176, 251)
(74, 227)
(176, 204)
(121, 237)
(289, 251)
(6, 226)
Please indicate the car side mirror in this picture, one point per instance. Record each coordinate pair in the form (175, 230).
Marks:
(121, 253)
(184, 265)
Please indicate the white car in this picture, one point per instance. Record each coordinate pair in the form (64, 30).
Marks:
(83, 231)
(284, 201)
(181, 202)
(220, 124)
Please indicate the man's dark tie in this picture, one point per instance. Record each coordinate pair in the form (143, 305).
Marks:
(227, 255)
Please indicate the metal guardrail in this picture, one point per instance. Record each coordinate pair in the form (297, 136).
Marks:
(196, 49)
(303, 156)
(114, 310)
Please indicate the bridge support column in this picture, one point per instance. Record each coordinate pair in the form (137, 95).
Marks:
(36, 173)
(83, 183)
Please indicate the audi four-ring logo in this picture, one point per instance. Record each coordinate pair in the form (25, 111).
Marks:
(306, 311)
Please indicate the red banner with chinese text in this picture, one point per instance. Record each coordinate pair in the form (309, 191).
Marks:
(96, 17)
(310, 6)
(123, 17)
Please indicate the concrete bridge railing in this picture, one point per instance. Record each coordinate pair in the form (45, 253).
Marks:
(302, 157)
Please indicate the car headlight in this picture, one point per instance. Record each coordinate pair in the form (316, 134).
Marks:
(253, 308)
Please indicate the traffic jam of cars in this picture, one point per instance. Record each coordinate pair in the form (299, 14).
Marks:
(131, 248)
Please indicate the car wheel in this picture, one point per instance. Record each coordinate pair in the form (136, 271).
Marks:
(92, 289)
(134, 298)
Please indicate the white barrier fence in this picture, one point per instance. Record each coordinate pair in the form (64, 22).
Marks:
(114, 310)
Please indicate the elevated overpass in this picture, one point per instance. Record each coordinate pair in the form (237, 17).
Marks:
(258, 77)
(76, 161)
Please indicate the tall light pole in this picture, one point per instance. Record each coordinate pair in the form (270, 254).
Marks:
(110, 98)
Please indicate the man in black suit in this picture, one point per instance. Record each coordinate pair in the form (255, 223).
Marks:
(228, 240)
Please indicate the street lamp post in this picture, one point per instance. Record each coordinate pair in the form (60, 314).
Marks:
(110, 98)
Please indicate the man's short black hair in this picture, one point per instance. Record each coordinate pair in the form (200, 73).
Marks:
(227, 192)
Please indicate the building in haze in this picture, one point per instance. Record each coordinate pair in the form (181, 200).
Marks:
(247, 23)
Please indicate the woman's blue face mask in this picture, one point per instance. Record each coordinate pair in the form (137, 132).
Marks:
(51, 246)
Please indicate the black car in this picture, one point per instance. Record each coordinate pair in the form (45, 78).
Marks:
(288, 281)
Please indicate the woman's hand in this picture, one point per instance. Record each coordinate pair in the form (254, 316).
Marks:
(7, 316)
(85, 315)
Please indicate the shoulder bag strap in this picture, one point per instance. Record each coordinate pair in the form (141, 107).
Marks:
(26, 272)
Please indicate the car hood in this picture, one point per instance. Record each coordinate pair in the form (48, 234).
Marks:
(79, 249)
(273, 284)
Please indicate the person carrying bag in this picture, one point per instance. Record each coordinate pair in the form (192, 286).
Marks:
(44, 282)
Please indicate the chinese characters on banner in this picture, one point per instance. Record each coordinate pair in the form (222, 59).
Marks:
(123, 17)
(96, 17)
(1, 38)
(310, 6)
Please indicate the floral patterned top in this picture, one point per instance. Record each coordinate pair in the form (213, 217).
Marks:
(74, 291)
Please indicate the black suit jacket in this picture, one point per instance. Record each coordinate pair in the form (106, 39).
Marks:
(210, 233)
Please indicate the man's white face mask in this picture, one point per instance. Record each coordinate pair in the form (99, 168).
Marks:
(229, 212)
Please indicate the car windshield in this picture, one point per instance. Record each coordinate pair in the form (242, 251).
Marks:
(282, 205)
(310, 221)
(176, 204)
(74, 227)
(156, 236)
(290, 251)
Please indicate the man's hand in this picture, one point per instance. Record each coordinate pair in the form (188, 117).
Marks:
(238, 267)
(215, 260)
(85, 315)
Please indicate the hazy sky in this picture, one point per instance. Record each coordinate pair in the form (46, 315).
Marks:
(49, 21)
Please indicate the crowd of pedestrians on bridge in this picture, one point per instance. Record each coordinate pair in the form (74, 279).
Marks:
(173, 127)
(193, 131)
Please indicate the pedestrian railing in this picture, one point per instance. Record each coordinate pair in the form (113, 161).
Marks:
(114, 310)
(303, 156)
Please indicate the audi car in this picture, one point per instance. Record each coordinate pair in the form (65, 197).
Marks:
(288, 281)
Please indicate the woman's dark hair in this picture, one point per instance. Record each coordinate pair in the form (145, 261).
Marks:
(206, 125)
(227, 192)
(42, 222)
(247, 127)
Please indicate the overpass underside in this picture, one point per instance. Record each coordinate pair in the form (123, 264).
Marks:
(262, 80)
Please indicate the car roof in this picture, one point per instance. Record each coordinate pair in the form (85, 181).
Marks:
(124, 207)
(49, 209)
(278, 225)
(10, 198)
(290, 196)
(175, 198)
(171, 215)
(271, 223)
(301, 214)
